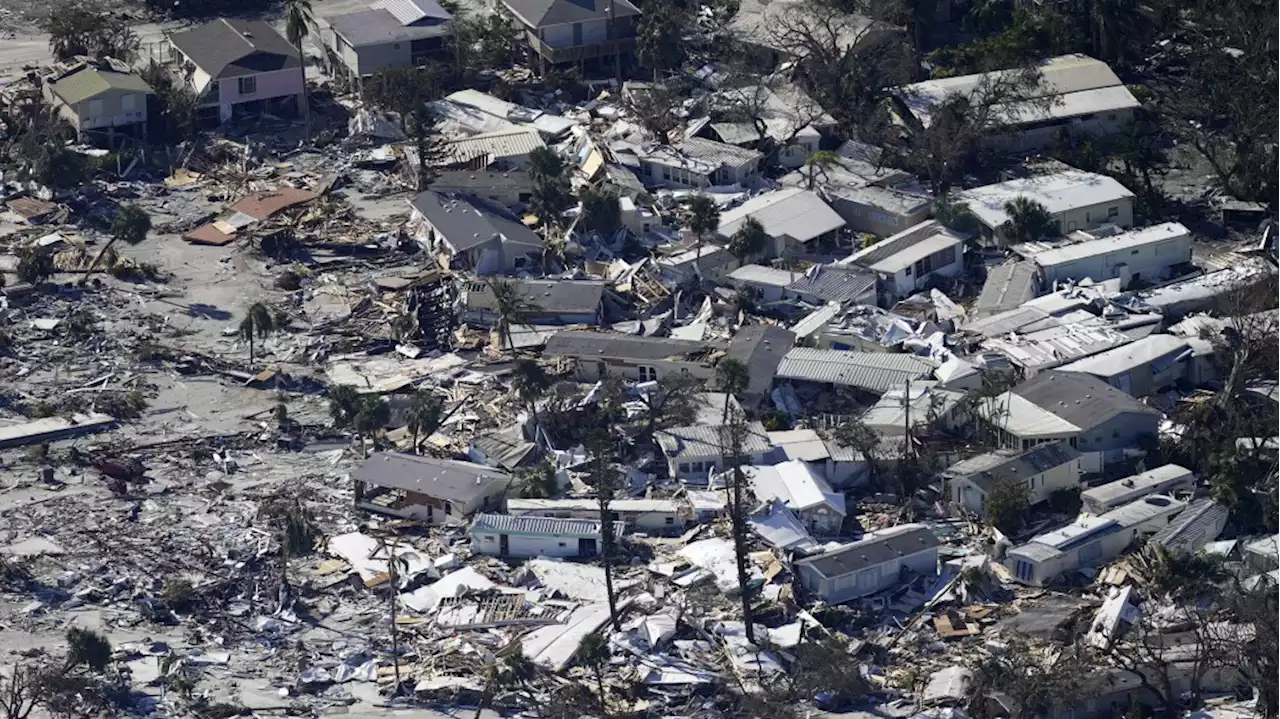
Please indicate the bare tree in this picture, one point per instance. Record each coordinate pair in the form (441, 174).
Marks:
(656, 107)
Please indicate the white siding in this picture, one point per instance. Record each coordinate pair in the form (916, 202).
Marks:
(524, 545)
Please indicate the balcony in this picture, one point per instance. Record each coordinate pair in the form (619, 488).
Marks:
(579, 53)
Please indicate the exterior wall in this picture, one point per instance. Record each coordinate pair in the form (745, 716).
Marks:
(1124, 431)
(1091, 554)
(505, 196)
(1150, 261)
(822, 521)
(1087, 218)
(559, 35)
(372, 58)
(1041, 486)
(905, 282)
(675, 176)
(589, 370)
(1040, 136)
(837, 590)
(767, 292)
(876, 220)
(1141, 381)
(866, 298)
(277, 83)
(528, 545)
(1099, 505)
(686, 469)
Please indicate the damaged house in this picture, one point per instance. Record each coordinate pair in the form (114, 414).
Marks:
(1077, 200)
(466, 232)
(650, 516)
(875, 200)
(391, 33)
(507, 535)
(909, 261)
(818, 507)
(693, 162)
(1042, 470)
(546, 302)
(872, 564)
(795, 220)
(694, 453)
(596, 355)
(426, 489)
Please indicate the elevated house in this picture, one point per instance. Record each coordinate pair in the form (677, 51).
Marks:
(238, 68)
(426, 489)
(560, 32)
(872, 564)
(390, 33)
(99, 98)
(1077, 200)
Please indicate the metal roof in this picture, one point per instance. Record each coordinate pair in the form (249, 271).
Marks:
(1024, 418)
(444, 479)
(1007, 286)
(545, 296)
(716, 153)
(544, 13)
(888, 416)
(504, 447)
(496, 145)
(1201, 522)
(550, 526)
(1139, 512)
(794, 484)
(465, 221)
(630, 506)
(1080, 399)
(606, 345)
(706, 441)
(871, 371)
(1057, 345)
(1076, 251)
(1136, 485)
(1148, 350)
(409, 12)
(987, 469)
(803, 444)
(908, 256)
(230, 48)
(789, 212)
(762, 275)
(834, 284)
(873, 550)
(1059, 192)
(88, 80)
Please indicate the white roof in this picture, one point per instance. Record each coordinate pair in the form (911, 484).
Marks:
(801, 444)
(1080, 85)
(871, 371)
(888, 416)
(1057, 345)
(795, 485)
(622, 506)
(1023, 417)
(1059, 192)
(906, 258)
(762, 275)
(1064, 254)
(816, 320)
(791, 212)
(1105, 494)
(1135, 354)
(505, 143)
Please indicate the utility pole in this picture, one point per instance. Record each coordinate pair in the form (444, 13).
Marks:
(617, 47)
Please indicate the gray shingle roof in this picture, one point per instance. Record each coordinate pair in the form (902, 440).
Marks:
(761, 348)
(230, 48)
(870, 371)
(466, 221)
(525, 524)
(1081, 399)
(987, 469)
(443, 479)
(542, 13)
(872, 552)
(617, 346)
(705, 441)
(379, 27)
(834, 285)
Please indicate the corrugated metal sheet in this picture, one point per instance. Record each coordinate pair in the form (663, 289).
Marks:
(872, 371)
(511, 524)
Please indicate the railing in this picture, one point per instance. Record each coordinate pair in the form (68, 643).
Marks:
(576, 53)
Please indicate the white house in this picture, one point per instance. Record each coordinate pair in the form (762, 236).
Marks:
(650, 516)
(1089, 542)
(794, 219)
(871, 198)
(693, 453)
(869, 565)
(1147, 254)
(808, 496)
(769, 283)
(1085, 97)
(1077, 200)
(426, 489)
(1043, 470)
(910, 259)
(1150, 364)
(928, 407)
(505, 535)
(693, 162)
(1166, 479)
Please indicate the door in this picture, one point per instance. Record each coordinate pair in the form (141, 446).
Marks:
(504, 545)
(586, 547)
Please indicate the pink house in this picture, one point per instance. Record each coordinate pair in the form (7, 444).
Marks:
(240, 68)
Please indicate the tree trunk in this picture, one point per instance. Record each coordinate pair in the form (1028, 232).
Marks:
(604, 711)
(96, 259)
(252, 353)
(740, 549)
(306, 104)
(395, 633)
(488, 691)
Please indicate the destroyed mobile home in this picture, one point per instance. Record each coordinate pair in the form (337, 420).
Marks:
(571, 388)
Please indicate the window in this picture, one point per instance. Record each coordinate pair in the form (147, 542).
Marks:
(697, 467)
(1113, 212)
(684, 468)
(1133, 252)
(128, 103)
(448, 508)
(670, 520)
(647, 374)
(1072, 441)
(1024, 570)
(524, 196)
(396, 46)
(908, 272)
(563, 544)
(666, 173)
(247, 85)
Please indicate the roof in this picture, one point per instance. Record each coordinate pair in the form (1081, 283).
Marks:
(872, 550)
(1059, 192)
(378, 26)
(816, 320)
(888, 249)
(1080, 84)
(760, 348)
(444, 479)
(1158, 350)
(495, 145)
(985, 470)
(1076, 251)
(834, 284)
(794, 484)
(1024, 418)
(465, 221)
(762, 275)
(871, 371)
(413, 12)
(1057, 345)
(1081, 399)
(1199, 523)
(230, 48)
(1007, 286)
(602, 345)
(1141, 511)
(504, 448)
(789, 212)
(802, 444)
(888, 415)
(1105, 494)
(629, 506)
(265, 204)
(542, 13)
(546, 296)
(87, 80)
(477, 181)
(908, 256)
(524, 524)
(699, 155)
(705, 441)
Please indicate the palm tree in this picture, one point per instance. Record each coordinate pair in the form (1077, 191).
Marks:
(531, 381)
(373, 415)
(1028, 221)
(131, 224)
(956, 216)
(545, 164)
(594, 653)
(395, 565)
(1111, 23)
(818, 163)
(732, 378)
(749, 240)
(298, 22)
(511, 309)
(258, 323)
(704, 219)
(424, 415)
(344, 404)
